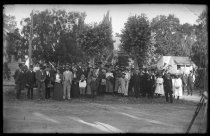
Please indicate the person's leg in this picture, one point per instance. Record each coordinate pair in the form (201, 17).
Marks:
(28, 93)
(69, 91)
(191, 89)
(46, 93)
(31, 92)
(39, 90)
(17, 88)
(43, 91)
(166, 94)
(171, 97)
(188, 89)
(82, 91)
(64, 90)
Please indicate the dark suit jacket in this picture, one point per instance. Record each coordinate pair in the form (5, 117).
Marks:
(167, 81)
(48, 78)
(40, 76)
(31, 79)
(19, 77)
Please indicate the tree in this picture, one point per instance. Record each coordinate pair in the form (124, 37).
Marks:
(54, 35)
(135, 38)
(9, 23)
(96, 40)
(200, 47)
(167, 35)
(11, 36)
(15, 44)
(188, 38)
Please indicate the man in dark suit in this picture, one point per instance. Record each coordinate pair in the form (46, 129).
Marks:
(146, 83)
(40, 77)
(48, 82)
(19, 77)
(31, 79)
(136, 83)
(168, 86)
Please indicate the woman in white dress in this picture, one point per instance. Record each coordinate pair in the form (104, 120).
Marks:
(178, 87)
(122, 88)
(127, 80)
(159, 86)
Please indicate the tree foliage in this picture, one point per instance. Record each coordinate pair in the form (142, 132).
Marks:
(54, 35)
(167, 31)
(96, 40)
(135, 37)
(12, 38)
(200, 47)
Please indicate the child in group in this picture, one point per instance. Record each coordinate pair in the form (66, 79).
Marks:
(82, 85)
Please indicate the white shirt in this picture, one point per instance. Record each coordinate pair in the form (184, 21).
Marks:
(47, 72)
(36, 68)
(109, 74)
(57, 78)
(82, 84)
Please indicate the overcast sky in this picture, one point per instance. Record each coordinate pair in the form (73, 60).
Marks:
(118, 12)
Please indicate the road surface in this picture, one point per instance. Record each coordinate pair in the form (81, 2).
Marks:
(105, 114)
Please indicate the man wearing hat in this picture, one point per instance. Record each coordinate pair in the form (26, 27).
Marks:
(168, 86)
(190, 82)
(40, 77)
(94, 85)
(48, 82)
(30, 82)
(67, 81)
(19, 80)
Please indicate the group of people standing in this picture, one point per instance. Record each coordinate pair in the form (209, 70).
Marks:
(71, 81)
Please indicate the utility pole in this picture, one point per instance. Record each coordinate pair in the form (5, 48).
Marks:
(30, 40)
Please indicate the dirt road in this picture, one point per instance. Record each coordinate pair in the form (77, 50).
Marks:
(106, 114)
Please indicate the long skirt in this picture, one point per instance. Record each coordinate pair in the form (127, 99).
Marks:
(126, 87)
(75, 90)
(159, 89)
(117, 83)
(109, 86)
(88, 92)
(58, 91)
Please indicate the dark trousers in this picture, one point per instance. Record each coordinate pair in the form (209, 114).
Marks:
(189, 89)
(18, 88)
(41, 90)
(144, 90)
(18, 91)
(168, 95)
(48, 91)
(93, 92)
(30, 93)
(102, 89)
(136, 90)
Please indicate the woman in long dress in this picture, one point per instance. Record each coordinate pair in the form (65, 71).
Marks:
(58, 87)
(122, 88)
(178, 87)
(127, 80)
(109, 81)
(159, 90)
(89, 79)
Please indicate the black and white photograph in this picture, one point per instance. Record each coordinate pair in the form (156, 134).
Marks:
(105, 68)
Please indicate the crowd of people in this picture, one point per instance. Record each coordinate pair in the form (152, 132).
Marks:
(76, 80)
